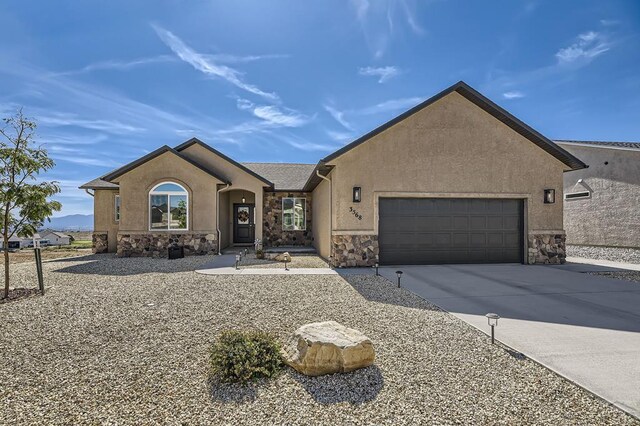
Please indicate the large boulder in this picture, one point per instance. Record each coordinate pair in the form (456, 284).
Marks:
(328, 347)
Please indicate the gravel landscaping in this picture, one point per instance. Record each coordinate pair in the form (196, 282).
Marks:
(621, 275)
(613, 254)
(297, 261)
(126, 341)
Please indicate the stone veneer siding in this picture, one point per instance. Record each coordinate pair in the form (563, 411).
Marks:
(156, 244)
(354, 250)
(99, 242)
(547, 249)
(272, 232)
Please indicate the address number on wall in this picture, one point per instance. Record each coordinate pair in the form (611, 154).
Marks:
(355, 213)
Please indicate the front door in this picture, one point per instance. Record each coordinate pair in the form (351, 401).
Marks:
(244, 230)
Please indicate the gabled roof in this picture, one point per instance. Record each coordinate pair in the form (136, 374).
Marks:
(56, 233)
(104, 181)
(194, 141)
(603, 144)
(486, 104)
(285, 176)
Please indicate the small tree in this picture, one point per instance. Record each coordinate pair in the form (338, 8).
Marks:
(24, 204)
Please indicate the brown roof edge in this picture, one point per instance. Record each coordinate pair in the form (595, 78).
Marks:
(193, 141)
(163, 149)
(486, 104)
(314, 180)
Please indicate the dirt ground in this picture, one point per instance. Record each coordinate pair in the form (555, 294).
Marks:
(23, 256)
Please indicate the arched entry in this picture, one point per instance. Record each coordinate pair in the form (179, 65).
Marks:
(239, 217)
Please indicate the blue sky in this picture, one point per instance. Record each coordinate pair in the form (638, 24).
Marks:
(293, 81)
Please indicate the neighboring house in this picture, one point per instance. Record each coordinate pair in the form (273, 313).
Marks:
(602, 203)
(456, 179)
(15, 243)
(55, 238)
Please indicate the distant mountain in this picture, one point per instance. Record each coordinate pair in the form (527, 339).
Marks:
(72, 222)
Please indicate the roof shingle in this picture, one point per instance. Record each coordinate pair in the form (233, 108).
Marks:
(285, 176)
(606, 144)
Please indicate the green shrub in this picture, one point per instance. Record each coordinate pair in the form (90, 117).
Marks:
(241, 356)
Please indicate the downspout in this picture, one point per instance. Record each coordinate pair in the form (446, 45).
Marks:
(330, 213)
(218, 217)
(87, 191)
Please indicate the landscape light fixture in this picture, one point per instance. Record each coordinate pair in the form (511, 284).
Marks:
(376, 266)
(237, 260)
(399, 274)
(549, 196)
(492, 320)
(286, 259)
(357, 194)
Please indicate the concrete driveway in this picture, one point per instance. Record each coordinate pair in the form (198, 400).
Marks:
(585, 327)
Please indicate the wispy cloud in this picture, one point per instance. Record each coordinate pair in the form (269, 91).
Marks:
(587, 46)
(390, 105)
(338, 116)
(273, 115)
(118, 65)
(110, 126)
(383, 73)
(206, 65)
(513, 94)
(378, 19)
(339, 136)
(226, 58)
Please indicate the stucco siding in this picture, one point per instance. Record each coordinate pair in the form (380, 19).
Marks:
(136, 184)
(611, 217)
(321, 218)
(240, 179)
(451, 148)
(104, 219)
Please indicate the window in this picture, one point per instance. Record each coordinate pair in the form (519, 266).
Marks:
(577, 195)
(168, 207)
(117, 208)
(293, 214)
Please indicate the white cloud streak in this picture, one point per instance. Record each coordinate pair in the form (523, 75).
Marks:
(272, 115)
(206, 65)
(514, 94)
(587, 46)
(338, 116)
(383, 73)
(390, 105)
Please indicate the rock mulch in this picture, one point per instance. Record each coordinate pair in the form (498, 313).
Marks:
(613, 254)
(297, 261)
(125, 341)
(621, 275)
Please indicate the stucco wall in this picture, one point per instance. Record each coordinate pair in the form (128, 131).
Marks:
(611, 217)
(321, 220)
(450, 149)
(136, 184)
(104, 219)
(239, 178)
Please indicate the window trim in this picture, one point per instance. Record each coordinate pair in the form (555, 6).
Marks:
(577, 195)
(153, 192)
(294, 213)
(116, 208)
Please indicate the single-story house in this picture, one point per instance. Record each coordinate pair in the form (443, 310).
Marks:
(55, 238)
(15, 243)
(602, 203)
(456, 179)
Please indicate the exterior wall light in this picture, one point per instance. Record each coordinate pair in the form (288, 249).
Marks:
(549, 196)
(492, 320)
(357, 194)
(399, 275)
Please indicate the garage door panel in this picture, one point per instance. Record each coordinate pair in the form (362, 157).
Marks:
(439, 230)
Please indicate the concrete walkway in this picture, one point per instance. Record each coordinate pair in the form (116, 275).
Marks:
(606, 263)
(225, 265)
(584, 327)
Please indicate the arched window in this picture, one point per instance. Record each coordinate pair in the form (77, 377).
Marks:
(168, 207)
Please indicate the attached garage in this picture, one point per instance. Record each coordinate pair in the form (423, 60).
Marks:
(422, 231)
